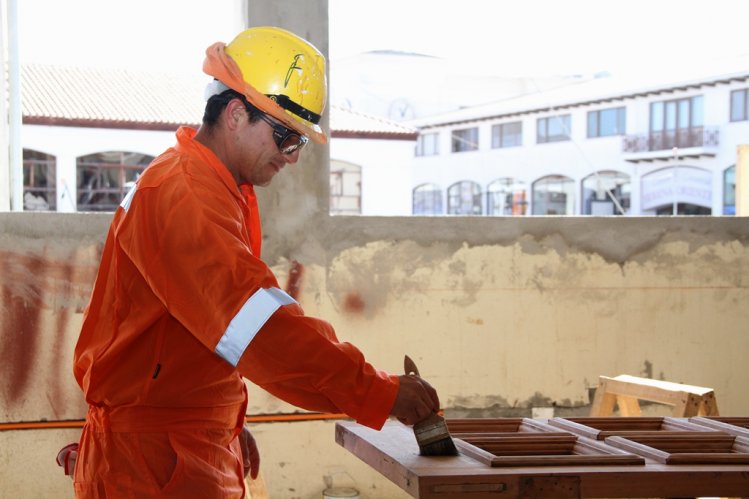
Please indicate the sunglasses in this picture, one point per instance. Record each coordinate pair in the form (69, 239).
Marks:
(286, 139)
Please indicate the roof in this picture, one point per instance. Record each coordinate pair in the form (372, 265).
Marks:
(585, 92)
(109, 98)
(120, 98)
(347, 123)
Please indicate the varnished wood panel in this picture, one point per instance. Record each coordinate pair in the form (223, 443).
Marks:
(393, 451)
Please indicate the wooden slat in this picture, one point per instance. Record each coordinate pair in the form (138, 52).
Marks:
(604, 401)
(732, 425)
(628, 406)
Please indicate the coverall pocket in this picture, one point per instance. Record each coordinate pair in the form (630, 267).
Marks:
(158, 456)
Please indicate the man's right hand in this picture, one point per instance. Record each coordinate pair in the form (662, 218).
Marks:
(416, 400)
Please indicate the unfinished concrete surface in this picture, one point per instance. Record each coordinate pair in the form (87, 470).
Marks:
(503, 316)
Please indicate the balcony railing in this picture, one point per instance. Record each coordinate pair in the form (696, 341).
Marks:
(682, 138)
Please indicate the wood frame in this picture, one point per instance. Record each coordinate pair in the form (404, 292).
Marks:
(393, 451)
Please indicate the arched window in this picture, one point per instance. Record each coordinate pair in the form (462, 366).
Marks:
(677, 190)
(729, 190)
(464, 198)
(345, 188)
(606, 193)
(506, 196)
(427, 200)
(104, 178)
(39, 181)
(554, 195)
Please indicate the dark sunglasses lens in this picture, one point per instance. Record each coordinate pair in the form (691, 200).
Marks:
(291, 143)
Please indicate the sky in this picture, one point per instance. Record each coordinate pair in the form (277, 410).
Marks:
(496, 36)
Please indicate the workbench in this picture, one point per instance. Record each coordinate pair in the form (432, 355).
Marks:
(564, 457)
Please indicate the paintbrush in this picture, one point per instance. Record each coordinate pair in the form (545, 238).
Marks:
(431, 433)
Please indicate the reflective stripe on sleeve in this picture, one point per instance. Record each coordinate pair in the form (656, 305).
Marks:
(128, 198)
(251, 317)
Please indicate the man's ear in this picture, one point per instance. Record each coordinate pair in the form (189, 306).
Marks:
(234, 113)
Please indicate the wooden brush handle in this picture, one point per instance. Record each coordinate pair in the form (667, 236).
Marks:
(410, 366)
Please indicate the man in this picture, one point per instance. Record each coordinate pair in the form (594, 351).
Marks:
(183, 307)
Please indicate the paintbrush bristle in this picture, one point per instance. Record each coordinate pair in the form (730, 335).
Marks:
(434, 438)
(444, 447)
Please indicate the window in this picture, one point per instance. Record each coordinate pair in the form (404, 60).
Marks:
(427, 200)
(464, 198)
(606, 193)
(345, 188)
(507, 135)
(677, 190)
(105, 178)
(39, 182)
(606, 122)
(505, 197)
(466, 139)
(729, 191)
(740, 105)
(553, 129)
(676, 123)
(554, 195)
(427, 144)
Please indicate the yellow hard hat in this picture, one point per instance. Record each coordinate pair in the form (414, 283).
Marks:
(280, 73)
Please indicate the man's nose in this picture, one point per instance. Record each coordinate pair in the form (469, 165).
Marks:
(293, 157)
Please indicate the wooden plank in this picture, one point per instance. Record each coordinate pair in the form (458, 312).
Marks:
(659, 385)
(628, 406)
(707, 458)
(644, 389)
(733, 426)
(603, 401)
(688, 405)
(473, 425)
(599, 428)
(709, 405)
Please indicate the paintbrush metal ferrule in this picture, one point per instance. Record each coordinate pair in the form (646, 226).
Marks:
(430, 430)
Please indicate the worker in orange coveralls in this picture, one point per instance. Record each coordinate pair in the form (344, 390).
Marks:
(183, 307)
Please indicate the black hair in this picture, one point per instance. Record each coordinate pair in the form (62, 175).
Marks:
(217, 103)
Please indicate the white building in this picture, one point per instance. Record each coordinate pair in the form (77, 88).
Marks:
(370, 164)
(88, 133)
(601, 146)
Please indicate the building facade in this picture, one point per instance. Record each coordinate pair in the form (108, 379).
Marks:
(604, 146)
(87, 134)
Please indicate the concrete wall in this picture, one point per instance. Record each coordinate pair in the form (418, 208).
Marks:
(502, 315)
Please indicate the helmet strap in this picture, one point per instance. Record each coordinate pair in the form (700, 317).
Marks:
(293, 107)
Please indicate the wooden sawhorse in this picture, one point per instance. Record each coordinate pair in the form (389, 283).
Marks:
(625, 391)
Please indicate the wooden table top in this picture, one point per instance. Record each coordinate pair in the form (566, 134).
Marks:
(478, 473)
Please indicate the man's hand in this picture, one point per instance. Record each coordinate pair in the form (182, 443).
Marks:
(416, 400)
(250, 454)
(67, 457)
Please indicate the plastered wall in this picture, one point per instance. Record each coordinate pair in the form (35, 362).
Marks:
(502, 316)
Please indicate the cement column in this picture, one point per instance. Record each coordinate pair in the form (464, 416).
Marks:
(294, 208)
(742, 181)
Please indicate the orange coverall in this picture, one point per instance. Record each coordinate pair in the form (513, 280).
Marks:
(182, 309)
